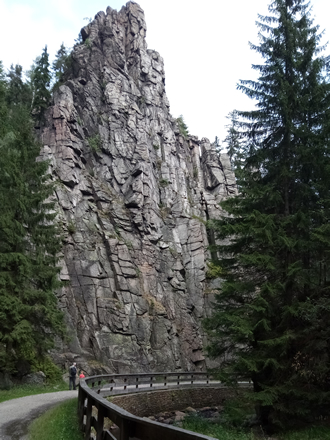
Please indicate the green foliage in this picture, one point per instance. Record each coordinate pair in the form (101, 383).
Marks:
(3, 103)
(60, 422)
(88, 43)
(46, 365)
(224, 432)
(310, 433)
(163, 183)
(270, 322)
(61, 65)
(234, 149)
(183, 128)
(216, 430)
(29, 244)
(214, 270)
(95, 143)
(40, 79)
(71, 227)
(18, 92)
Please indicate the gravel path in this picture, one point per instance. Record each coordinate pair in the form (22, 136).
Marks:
(17, 414)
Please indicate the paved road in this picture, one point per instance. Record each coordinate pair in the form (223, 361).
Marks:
(17, 414)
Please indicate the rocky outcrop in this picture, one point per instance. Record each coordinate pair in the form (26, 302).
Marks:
(131, 192)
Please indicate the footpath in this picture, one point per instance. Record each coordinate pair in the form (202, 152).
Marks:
(17, 414)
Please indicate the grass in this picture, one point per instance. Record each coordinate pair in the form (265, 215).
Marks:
(59, 423)
(224, 432)
(29, 390)
(203, 426)
(312, 433)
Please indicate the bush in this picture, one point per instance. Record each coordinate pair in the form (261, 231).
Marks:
(95, 143)
(182, 127)
(52, 372)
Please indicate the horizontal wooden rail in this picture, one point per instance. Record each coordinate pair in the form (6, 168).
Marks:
(92, 391)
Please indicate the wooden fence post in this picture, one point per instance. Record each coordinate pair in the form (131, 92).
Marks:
(81, 401)
(88, 418)
(124, 430)
(100, 422)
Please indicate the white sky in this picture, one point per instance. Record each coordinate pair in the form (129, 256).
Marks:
(204, 46)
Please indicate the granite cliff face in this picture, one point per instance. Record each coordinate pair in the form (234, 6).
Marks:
(130, 192)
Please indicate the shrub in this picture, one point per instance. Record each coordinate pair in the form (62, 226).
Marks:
(95, 142)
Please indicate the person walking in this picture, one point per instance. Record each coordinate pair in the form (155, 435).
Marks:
(72, 376)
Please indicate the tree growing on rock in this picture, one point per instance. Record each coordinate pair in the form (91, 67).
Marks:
(271, 319)
(232, 140)
(40, 79)
(61, 65)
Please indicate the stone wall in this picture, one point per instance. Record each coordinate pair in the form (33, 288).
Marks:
(149, 403)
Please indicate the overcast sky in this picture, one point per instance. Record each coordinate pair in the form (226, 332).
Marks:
(204, 46)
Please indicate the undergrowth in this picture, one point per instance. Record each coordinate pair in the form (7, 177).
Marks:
(59, 423)
(225, 432)
(218, 431)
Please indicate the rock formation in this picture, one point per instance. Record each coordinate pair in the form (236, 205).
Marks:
(131, 193)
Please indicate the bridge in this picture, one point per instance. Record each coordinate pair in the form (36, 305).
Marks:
(94, 407)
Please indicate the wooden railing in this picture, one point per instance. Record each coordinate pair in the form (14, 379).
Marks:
(93, 408)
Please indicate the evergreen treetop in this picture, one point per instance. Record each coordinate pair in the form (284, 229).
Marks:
(18, 91)
(61, 64)
(270, 319)
(233, 140)
(41, 78)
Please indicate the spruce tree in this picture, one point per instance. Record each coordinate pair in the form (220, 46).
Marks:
(61, 64)
(40, 78)
(271, 318)
(3, 103)
(232, 140)
(29, 243)
(18, 91)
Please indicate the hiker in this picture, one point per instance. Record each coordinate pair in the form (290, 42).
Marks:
(81, 375)
(72, 378)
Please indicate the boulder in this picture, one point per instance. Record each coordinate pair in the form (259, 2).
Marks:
(38, 378)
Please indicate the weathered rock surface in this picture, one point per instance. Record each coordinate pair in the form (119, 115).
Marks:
(130, 193)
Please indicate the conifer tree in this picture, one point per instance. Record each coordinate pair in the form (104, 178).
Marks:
(61, 64)
(18, 91)
(183, 128)
(271, 319)
(232, 140)
(29, 243)
(3, 104)
(40, 78)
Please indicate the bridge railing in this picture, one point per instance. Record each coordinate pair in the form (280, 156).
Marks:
(93, 408)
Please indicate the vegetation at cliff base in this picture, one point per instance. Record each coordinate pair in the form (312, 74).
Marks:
(271, 319)
(30, 240)
(223, 432)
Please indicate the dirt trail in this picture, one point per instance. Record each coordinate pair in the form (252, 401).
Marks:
(17, 414)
